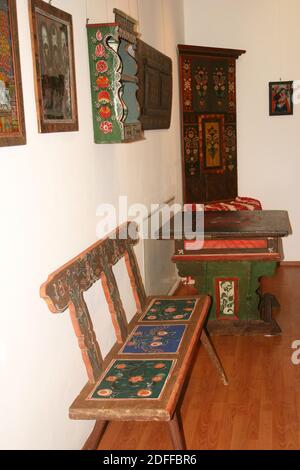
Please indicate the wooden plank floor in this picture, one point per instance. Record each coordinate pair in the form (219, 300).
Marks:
(260, 409)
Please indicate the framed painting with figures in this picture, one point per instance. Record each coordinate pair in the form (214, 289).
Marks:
(12, 122)
(281, 98)
(54, 67)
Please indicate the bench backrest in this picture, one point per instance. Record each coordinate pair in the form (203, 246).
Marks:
(65, 287)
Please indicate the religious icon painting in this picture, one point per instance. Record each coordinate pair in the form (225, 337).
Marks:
(54, 67)
(12, 122)
(281, 98)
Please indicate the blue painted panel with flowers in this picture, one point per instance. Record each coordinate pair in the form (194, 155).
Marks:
(155, 339)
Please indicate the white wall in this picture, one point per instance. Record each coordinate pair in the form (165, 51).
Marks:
(268, 147)
(49, 191)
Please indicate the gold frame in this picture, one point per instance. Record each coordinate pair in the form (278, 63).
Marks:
(16, 137)
(45, 125)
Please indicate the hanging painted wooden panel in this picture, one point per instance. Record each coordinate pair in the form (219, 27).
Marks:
(155, 87)
(208, 105)
(12, 122)
(114, 82)
(105, 69)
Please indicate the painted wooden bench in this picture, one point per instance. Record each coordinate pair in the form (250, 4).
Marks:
(142, 377)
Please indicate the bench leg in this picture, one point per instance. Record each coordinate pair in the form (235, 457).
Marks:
(176, 431)
(96, 435)
(213, 356)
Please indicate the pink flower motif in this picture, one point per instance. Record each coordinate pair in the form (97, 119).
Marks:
(104, 97)
(160, 366)
(144, 393)
(178, 317)
(100, 50)
(136, 379)
(157, 378)
(162, 333)
(99, 35)
(170, 310)
(106, 127)
(153, 310)
(104, 392)
(188, 309)
(103, 81)
(102, 66)
(156, 344)
(105, 112)
(152, 317)
(111, 378)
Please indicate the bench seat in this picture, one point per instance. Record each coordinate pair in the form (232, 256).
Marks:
(107, 399)
(143, 375)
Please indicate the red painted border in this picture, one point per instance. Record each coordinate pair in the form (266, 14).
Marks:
(226, 244)
(181, 104)
(227, 257)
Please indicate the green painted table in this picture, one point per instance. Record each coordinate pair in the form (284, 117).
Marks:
(239, 248)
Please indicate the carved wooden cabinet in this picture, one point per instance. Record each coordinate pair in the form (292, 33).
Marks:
(155, 87)
(114, 81)
(208, 116)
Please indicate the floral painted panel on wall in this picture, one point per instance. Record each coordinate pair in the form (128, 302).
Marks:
(212, 144)
(105, 69)
(209, 150)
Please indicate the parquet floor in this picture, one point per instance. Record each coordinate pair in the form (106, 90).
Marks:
(260, 409)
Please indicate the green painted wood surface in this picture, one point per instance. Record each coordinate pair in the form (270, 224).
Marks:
(105, 71)
(135, 379)
(170, 310)
(248, 274)
(113, 71)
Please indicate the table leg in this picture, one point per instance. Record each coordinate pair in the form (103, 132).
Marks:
(96, 435)
(213, 356)
(176, 431)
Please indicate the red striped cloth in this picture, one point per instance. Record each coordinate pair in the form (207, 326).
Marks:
(239, 204)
